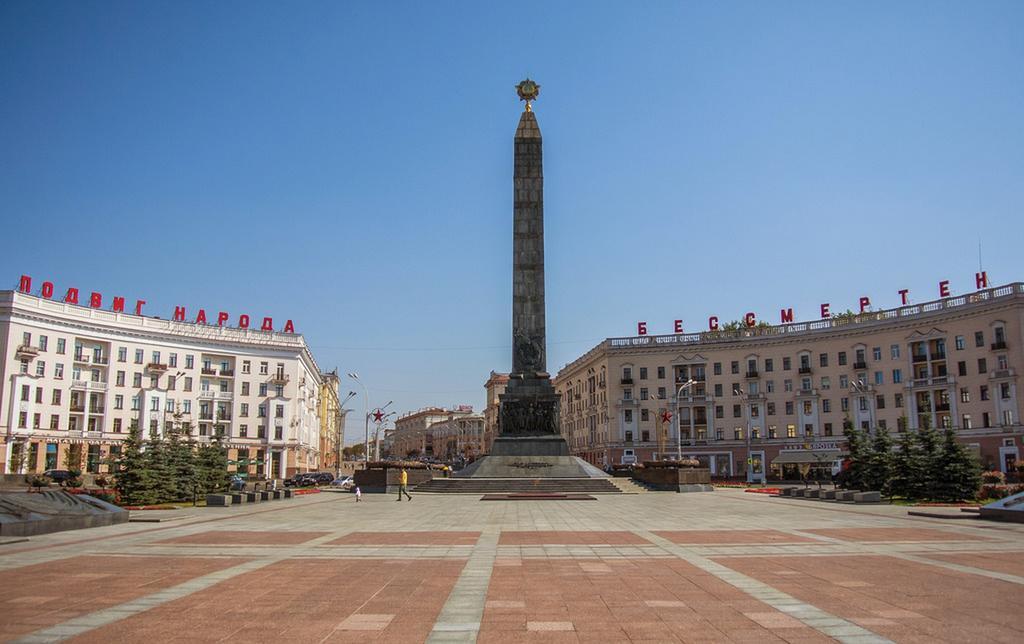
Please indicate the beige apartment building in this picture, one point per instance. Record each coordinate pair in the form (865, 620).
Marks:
(413, 434)
(332, 427)
(495, 387)
(78, 375)
(770, 398)
(458, 437)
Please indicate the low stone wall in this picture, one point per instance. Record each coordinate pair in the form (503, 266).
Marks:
(676, 479)
(385, 480)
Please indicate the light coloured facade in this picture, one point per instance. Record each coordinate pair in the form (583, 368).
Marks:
(85, 376)
(762, 391)
(495, 386)
(413, 436)
(459, 437)
(331, 421)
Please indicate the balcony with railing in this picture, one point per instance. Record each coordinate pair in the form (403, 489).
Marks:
(941, 407)
(156, 367)
(26, 352)
(999, 345)
(96, 409)
(280, 378)
(752, 373)
(227, 373)
(626, 381)
(805, 370)
(206, 416)
(92, 385)
(860, 365)
(78, 408)
(208, 372)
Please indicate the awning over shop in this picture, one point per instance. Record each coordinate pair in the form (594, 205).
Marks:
(806, 456)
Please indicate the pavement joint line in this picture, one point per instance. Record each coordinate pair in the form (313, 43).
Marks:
(463, 611)
(767, 594)
(84, 623)
(886, 550)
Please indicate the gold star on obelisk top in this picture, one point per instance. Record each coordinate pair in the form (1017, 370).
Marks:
(528, 91)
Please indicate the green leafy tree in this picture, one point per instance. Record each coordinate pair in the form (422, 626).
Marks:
(958, 476)
(878, 472)
(133, 480)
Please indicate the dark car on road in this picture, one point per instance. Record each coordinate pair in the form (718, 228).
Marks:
(298, 480)
(321, 478)
(59, 476)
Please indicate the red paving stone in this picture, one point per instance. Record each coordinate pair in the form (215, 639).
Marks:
(729, 537)
(1011, 563)
(246, 538)
(617, 600)
(303, 600)
(42, 595)
(902, 600)
(569, 538)
(895, 534)
(441, 538)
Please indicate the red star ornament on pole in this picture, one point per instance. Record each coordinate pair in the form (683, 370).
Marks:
(378, 416)
(666, 416)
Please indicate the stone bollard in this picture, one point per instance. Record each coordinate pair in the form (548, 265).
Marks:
(275, 494)
(237, 498)
(867, 497)
(812, 494)
(252, 497)
(218, 500)
(287, 494)
(829, 495)
(264, 495)
(799, 492)
(845, 495)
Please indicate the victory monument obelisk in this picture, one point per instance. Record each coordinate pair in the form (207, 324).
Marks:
(529, 442)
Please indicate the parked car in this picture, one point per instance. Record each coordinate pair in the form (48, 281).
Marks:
(321, 478)
(345, 482)
(59, 476)
(301, 479)
(237, 483)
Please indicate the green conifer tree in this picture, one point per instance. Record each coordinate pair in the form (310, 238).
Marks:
(926, 465)
(879, 470)
(133, 481)
(859, 450)
(182, 461)
(902, 484)
(212, 467)
(958, 476)
(158, 462)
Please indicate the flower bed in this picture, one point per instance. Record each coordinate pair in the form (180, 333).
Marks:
(995, 492)
(763, 490)
(302, 491)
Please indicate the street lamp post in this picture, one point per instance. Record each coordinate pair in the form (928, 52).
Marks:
(679, 429)
(366, 419)
(341, 435)
(376, 432)
(746, 432)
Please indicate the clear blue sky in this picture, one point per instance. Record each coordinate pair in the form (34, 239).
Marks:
(348, 164)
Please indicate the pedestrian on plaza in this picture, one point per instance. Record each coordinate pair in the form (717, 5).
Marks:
(359, 494)
(273, 485)
(403, 485)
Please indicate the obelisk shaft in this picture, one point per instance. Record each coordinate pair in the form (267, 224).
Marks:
(528, 336)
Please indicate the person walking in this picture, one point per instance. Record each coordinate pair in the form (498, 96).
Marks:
(359, 494)
(403, 485)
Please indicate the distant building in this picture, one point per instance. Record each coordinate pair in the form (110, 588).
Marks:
(768, 397)
(495, 386)
(331, 421)
(460, 436)
(412, 435)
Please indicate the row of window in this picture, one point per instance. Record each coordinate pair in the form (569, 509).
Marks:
(118, 426)
(122, 356)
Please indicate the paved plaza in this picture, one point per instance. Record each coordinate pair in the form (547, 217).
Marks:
(725, 566)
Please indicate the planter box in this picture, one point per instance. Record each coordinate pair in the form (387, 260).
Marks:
(845, 495)
(799, 492)
(286, 494)
(676, 479)
(867, 497)
(252, 497)
(218, 499)
(238, 498)
(786, 491)
(829, 495)
(812, 493)
(264, 495)
(276, 494)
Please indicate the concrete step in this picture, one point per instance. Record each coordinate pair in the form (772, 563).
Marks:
(628, 486)
(489, 486)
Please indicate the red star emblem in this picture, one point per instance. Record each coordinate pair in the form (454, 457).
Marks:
(666, 416)
(378, 416)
